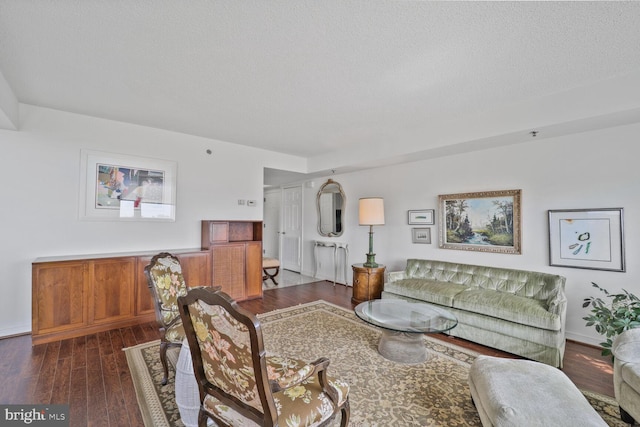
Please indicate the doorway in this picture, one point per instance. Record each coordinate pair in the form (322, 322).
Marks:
(282, 238)
(291, 234)
(282, 227)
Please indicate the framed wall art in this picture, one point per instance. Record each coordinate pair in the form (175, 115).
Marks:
(587, 238)
(421, 235)
(123, 187)
(486, 221)
(423, 216)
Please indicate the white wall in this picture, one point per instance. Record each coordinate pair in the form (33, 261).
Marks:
(40, 194)
(590, 170)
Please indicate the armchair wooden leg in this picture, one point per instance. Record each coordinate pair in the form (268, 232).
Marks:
(346, 412)
(624, 416)
(163, 359)
(203, 418)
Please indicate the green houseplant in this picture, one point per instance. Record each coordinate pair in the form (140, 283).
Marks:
(612, 316)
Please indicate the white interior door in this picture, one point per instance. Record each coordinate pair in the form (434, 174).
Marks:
(292, 228)
(272, 223)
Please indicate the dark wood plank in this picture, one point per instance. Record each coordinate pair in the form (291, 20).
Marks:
(115, 400)
(96, 398)
(138, 333)
(104, 343)
(127, 390)
(91, 341)
(47, 374)
(79, 354)
(66, 348)
(78, 399)
(61, 381)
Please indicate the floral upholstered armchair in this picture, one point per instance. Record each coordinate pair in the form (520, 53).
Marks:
(165, 280)
(239, 384)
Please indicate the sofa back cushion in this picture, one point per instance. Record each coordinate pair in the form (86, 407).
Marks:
(523, 283)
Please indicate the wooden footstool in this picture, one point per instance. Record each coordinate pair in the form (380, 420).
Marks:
(270, 264)
(510, 392)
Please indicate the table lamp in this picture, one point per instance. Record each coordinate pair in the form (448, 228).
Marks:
(371, 212)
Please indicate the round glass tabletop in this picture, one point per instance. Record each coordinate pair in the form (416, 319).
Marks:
(404, 316)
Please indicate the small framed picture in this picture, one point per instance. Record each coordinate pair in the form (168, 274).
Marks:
(423, 216)
(421, 235)
(587, 238)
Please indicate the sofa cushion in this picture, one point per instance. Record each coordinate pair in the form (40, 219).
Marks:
(542, 286)
(514, 308)
(432, 291)
(440, 271)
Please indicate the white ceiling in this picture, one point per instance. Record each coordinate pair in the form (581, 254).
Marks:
(366, 82)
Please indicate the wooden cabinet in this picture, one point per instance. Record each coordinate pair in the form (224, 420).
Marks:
(236, 256)
(368, 283)
(75, 296)
(93, 293)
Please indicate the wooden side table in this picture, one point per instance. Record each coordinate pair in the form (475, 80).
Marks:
(367, 282)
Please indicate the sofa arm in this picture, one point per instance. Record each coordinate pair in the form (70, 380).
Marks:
(557, 304)
(626, 346)
(394, 276)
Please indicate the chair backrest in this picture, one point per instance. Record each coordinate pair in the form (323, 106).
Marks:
(166, 282)
(229, 359)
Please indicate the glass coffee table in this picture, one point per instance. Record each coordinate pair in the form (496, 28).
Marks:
(403, 323)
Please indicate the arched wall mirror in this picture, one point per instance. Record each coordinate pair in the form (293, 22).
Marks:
(330, 203)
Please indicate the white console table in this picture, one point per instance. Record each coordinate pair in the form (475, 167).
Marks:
(335, 246)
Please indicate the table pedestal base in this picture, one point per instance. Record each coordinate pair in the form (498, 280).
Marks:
(402, 347)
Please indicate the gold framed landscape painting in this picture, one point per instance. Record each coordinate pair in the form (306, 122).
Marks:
(486, 221)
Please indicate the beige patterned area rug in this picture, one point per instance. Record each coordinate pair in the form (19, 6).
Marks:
(383, 393)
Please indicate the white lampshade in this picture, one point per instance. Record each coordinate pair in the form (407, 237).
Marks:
(371, 211)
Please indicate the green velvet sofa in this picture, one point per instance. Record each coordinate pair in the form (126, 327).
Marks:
(517, 311)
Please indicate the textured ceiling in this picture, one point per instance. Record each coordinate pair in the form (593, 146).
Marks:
(311, 78)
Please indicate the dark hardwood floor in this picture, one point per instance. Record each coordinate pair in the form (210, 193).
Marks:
(91, 374)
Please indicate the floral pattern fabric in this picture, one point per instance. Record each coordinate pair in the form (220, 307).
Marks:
(174, 333)
(169, 283)
(227, 360)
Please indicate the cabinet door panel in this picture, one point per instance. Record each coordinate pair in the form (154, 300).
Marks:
(229, 269)
(59, 300)
(112, 282)
(144, 298)
(196, 268)
(254, 269)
